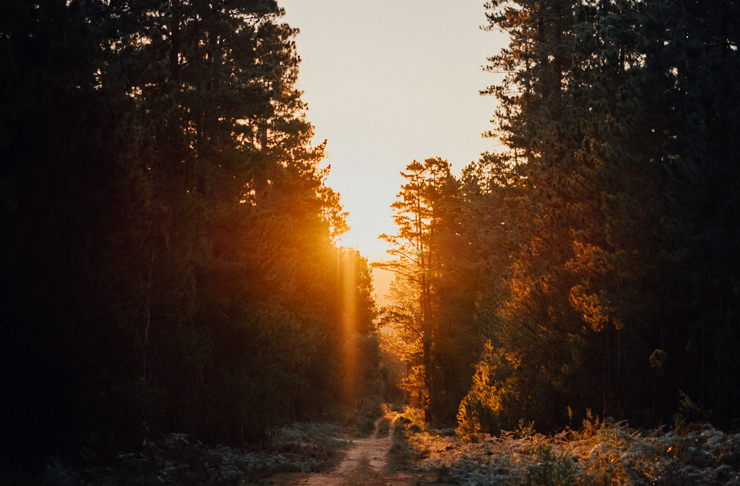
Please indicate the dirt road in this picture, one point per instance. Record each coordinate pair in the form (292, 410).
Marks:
(365, 464)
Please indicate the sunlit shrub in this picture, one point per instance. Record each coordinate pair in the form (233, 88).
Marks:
(468, 421)
(524, 430)
(602, 453)
(414, 417)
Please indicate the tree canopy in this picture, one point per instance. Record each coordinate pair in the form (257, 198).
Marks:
(590, 263)
(169, 255)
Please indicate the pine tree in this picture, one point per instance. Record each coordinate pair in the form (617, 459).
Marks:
(170, 239)
(418, 213)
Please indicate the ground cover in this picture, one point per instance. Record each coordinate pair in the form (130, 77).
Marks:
(177, 459)
(402, 450)
(601, 453)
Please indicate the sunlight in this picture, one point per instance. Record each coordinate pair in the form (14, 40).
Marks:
(209, 283)
(376, 110)
(349, 323)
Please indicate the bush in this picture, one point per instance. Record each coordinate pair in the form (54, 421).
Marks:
(602, 453)
(469, 424)
(414, 417)
(384, 428)
(551, 469)
(690, 417)
(367, 426)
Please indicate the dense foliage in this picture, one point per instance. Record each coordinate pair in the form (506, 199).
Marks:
(167, 239)
(593, 261)
(599, 453)
(168, 254)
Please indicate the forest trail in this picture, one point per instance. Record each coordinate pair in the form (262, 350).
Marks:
(365, 464)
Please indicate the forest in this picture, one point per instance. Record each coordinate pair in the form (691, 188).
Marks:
(593, 264)
(171, 259)
(168, 240)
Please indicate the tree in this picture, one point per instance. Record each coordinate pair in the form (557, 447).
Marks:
(422, 211)
(168, 238)
(606, 134)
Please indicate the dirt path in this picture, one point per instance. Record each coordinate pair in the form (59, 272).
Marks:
(365, 464)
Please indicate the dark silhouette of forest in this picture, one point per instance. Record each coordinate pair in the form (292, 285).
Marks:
(169, 245)
(168, 242)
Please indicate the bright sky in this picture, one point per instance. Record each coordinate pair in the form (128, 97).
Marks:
(387, 82)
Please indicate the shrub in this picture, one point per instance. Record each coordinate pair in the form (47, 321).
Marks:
(551, 469)
(690, 417)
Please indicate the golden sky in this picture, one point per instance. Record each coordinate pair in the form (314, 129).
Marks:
(387, 82)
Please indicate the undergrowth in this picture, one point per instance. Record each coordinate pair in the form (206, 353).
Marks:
(601, 453)
(175, 459)
(383, 428)
(361, 421)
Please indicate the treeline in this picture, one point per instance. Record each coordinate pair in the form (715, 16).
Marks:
(167, 238)
(591, 264)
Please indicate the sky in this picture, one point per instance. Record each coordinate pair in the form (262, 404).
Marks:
(388, 82)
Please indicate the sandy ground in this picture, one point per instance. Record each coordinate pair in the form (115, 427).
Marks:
(365, 464)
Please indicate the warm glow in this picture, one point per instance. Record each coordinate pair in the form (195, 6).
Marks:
(388, 82)
(349, 321)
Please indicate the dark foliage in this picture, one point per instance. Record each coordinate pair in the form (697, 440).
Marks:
(167, 241)
(607, 232)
